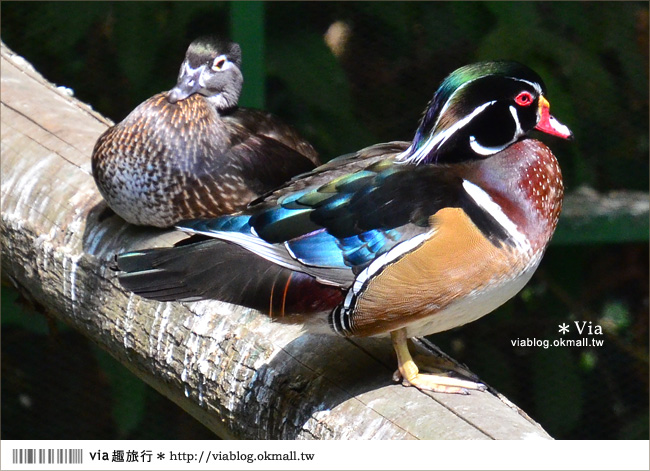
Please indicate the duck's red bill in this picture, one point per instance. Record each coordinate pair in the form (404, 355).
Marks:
(550, 125)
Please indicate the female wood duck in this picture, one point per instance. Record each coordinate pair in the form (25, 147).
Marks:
(402, 238)
(191, 152)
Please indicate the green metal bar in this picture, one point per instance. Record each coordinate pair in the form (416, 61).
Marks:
(247, 29)
(602, 230)
(592, 218)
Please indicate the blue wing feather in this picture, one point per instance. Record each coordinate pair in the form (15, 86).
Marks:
(237, 223)
(318, 249)
(321, 249)
(360, 250)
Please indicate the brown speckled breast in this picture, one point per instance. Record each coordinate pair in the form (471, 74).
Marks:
(168, 162)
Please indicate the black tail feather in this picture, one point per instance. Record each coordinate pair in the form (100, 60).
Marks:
(216, 269)
(203, 270)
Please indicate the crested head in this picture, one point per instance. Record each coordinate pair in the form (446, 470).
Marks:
(207, 48)
(212, 69)
(479, 110)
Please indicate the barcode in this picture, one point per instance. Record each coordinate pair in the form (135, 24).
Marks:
(47, 456)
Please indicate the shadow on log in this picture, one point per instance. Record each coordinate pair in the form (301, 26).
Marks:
(230, 367)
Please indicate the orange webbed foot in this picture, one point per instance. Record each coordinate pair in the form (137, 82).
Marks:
(409, 373)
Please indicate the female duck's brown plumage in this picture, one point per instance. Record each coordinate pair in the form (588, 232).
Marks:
(191, 152)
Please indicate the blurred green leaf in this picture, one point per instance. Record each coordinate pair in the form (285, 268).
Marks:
(137, 37)
(128, 392)
(301, 63)
(472, 19)
(588, 360)
(493, 363)
(247, 27)
(636, 428)
(557, 390)
(396, 17)
(14, 314)
(601, 229)
(615, 318)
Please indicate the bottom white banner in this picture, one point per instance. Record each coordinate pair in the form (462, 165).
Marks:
(322, 455)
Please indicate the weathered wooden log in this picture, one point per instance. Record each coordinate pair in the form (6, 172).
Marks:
(230, 367)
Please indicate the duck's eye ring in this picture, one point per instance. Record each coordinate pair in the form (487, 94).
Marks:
(524, 99)
(218, 64)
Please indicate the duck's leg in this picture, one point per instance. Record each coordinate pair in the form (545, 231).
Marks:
(411, 376)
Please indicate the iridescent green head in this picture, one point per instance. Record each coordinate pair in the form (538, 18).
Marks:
(479, 110)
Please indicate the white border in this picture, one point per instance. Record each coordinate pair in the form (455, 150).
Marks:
(359, 455)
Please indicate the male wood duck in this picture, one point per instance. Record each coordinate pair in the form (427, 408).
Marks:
(406, 239)
(191, 152)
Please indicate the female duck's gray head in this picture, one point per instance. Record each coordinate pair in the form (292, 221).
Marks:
(211, 68)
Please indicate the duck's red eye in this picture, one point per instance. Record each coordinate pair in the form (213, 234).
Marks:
(218, 64)
(524, 99)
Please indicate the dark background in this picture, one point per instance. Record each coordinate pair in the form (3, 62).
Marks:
(369, 85)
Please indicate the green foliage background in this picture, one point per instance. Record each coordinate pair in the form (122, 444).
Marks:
(594, 59)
